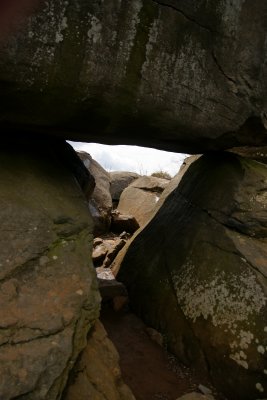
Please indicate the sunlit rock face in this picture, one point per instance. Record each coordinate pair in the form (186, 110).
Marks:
(198, 272)
(179, 75)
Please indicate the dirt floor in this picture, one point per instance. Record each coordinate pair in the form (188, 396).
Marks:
(148, 369)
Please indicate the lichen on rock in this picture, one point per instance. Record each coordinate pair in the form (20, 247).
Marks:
(197, 271)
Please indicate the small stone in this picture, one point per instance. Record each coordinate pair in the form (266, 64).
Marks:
(105, 273)
(124, 235)
(79, 292)
(205, 390)
(259, 387)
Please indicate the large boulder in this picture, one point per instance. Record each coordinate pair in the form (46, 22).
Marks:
(48, 295)
(140, 197)
(197, 272)
(100, 201)
(120, 180)
(173, 183)
(97, 375)
(181, 75)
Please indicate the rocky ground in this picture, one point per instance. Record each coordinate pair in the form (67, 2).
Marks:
(147, 368)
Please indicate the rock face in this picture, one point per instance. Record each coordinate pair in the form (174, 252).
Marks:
(120, 180)
(100, 202)
(97, 375)
(173, 183)
(184, 76)
(198, 273)
(140, 198)
(48, 295)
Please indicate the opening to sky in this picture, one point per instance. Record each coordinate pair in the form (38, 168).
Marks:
(142, 160)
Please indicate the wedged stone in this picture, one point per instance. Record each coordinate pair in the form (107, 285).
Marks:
(97, 375)
(117, 245)
(139, 199)
(108, 285)
(48, 292)
(111, 290)
(105, 250)
(121, 222)
(100, 202)
(197, 272)
(104, 274)
(179, 75)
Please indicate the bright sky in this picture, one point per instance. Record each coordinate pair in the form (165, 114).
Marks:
(142, 160)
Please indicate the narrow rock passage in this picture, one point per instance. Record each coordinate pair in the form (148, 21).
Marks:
(147, 368)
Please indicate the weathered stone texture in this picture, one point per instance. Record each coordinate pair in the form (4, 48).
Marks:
(188, 76)
(48, 293)
(119, 180)
(197, 272)
(97, 375)
(140, 198)
(100, 201)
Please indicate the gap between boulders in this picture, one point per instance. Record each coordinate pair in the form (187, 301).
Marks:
(151, 372)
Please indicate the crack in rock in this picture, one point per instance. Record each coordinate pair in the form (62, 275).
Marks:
(194, 21)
